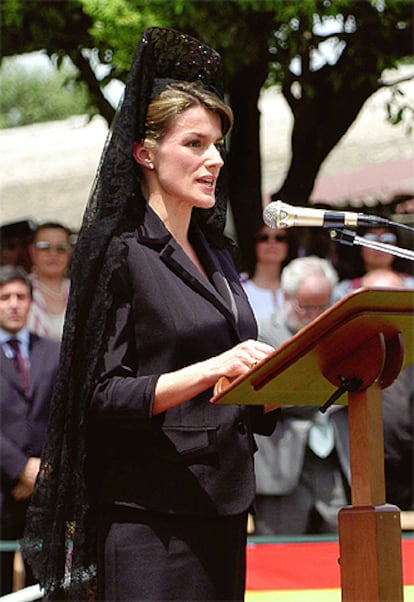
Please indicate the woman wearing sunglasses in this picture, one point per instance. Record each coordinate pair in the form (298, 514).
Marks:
(51, 253)
(274, 248)
(369, 259)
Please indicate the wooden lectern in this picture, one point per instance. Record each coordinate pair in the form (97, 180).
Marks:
(357, 346)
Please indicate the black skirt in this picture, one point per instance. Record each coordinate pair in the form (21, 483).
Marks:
(158, 557)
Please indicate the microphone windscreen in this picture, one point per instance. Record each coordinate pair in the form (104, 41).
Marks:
(271, 214)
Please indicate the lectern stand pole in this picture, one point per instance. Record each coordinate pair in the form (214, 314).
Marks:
(370, 529)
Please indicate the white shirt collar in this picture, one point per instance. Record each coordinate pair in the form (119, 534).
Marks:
(23, 336)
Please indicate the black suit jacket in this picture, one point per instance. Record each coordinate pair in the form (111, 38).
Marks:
(398, 421)
(23, 423)
(195, 458)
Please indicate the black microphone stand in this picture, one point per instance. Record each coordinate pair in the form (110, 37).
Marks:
(347, 237)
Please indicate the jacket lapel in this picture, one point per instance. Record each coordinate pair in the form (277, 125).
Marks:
(36, 360)
(216, 289)
(8, 371)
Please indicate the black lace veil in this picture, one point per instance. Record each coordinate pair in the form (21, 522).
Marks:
(60, 541)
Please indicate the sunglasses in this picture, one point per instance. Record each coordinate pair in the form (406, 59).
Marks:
(60, 247)
(267, 237)
(386, 237)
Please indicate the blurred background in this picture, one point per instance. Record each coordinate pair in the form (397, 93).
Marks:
(323, 95)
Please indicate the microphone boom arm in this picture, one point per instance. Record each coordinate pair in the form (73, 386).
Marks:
(347, 237)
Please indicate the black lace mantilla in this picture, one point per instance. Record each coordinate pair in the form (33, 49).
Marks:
(60, 540)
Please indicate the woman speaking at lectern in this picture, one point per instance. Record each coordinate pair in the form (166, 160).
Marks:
(144, 480)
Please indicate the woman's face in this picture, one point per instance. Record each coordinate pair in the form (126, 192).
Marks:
(51, 252)
(187, 160)
(271, 245)
(374, 260)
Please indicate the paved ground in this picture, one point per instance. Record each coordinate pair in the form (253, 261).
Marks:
(48, 169)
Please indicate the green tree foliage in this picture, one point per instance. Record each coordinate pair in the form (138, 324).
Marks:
(33, 96)
(368, 37)
(263, 42)
(60, 29)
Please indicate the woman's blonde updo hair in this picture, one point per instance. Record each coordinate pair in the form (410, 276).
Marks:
(174, 100)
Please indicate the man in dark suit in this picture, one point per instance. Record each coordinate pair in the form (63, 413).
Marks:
(28, 366)
(398, 422)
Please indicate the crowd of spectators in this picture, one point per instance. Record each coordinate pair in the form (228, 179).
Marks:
(34, 289)
(299, 488)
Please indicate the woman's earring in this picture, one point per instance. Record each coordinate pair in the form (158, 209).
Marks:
(151, 165)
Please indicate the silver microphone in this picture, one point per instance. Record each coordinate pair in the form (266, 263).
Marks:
(281, 215)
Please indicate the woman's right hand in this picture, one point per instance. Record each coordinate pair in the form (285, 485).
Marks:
(174, 388)
(238, 360)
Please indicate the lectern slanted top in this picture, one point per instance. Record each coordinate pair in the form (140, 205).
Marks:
(306, 370)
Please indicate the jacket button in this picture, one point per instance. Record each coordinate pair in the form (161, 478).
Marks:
(241, 427)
